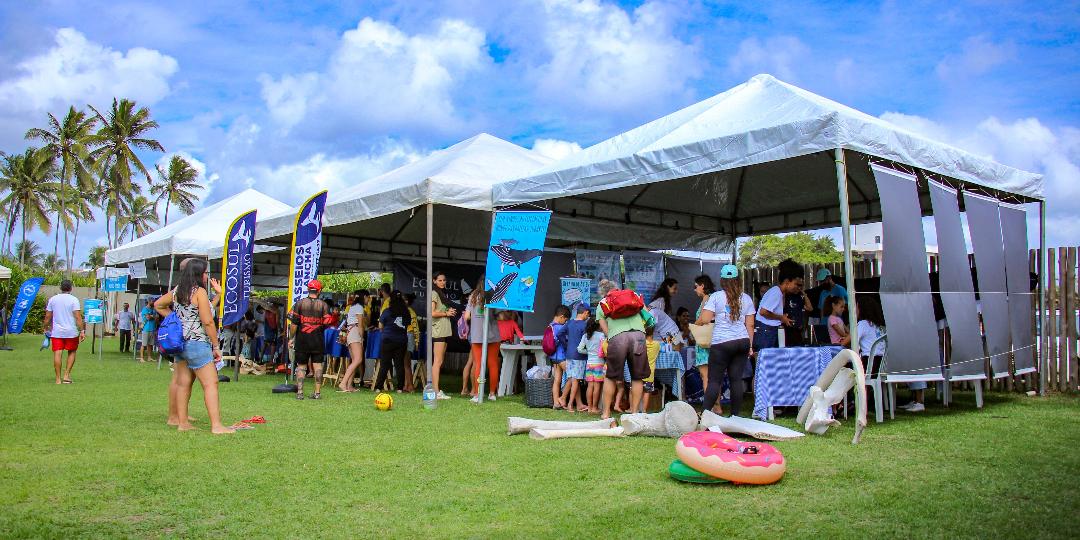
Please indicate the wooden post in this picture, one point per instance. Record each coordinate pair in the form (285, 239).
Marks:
(1071, 301)
(1050, 330)
(1063, 310)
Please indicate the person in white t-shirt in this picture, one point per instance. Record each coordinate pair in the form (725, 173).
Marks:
(732, 312)
(123, 324)
(770, 316)
(64, 323)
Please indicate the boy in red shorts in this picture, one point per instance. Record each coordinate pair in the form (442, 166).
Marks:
(64, 322)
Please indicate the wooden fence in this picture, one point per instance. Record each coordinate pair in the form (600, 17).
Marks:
(1062, 302)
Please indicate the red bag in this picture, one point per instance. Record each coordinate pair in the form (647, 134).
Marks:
(548, 343)
(621, 304)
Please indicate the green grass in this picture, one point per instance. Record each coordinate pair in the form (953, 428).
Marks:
(95, 459)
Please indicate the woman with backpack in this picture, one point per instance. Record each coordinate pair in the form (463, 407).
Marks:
(190, 306)
(623, 319)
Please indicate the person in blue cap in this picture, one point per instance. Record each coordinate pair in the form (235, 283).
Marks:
(829, 287)
(732, 313)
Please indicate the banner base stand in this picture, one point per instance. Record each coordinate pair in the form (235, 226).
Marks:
(285, 388)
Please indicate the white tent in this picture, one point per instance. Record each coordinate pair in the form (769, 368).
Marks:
(755, 159)
(5, 272)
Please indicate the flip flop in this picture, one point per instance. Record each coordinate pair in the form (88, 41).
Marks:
(242, 425)
(255, 420)
(66, 381)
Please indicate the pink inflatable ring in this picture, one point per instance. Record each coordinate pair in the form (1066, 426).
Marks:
(716, 454)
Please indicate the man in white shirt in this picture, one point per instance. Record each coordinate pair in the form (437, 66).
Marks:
(770, 316)
(64, 322)
(125, 321)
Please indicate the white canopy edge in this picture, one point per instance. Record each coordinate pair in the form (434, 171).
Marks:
(197, 233)
(5, 272)
(756, 122)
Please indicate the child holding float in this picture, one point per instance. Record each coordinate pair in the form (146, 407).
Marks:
(595, 369)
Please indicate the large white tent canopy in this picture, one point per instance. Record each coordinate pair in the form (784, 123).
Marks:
(755, 159)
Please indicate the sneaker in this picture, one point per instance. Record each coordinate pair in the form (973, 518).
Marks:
(299, 395)
(491, 397)
(475, 399)
(906, 406)
(441, 395)
(916, 407)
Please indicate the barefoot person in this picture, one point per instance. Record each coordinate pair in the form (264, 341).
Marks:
(355, 323)
(64, 322)
(192, 305)
(307, 321)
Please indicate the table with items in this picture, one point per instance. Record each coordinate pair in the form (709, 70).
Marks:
(512, 353)
(784, 376)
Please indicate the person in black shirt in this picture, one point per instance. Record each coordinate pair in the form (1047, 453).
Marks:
(307, 320)
(797, 307)
(394, 320)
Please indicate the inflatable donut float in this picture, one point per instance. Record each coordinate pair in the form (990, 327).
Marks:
(720, 456)
(683, 473)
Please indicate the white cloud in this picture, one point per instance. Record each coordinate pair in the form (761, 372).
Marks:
(554, 148)
(609, 60)
(780, 56)
(977, 55)
(380, 78)
(76, 71)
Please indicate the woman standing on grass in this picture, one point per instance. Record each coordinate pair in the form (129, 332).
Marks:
(474, 314)
(355, 323)
(394, 322)
(703, 288)
(732, 311)
(441, 329)
(192, 305)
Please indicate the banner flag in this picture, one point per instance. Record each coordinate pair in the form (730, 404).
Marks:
(575, 291)
(597, 266)
(93, 311)
(513, 262)
(236, 268)
(306, 247)
(644, 272)
(116, 283)
(28, 291)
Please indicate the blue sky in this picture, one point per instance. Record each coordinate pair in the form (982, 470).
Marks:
(285, 96)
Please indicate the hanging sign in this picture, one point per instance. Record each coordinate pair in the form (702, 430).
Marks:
(93, 311)
(598, 266)
(513, 262)
(644, 272)
(575, 291)
(137, 270)
(236, 268)
(116, 283)
(23, 303)
(306, 247)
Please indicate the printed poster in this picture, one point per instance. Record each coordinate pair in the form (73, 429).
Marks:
(597, 266)
(644, 272)
(513, 262)
(306, 247)
(237, 269)
(575, 291)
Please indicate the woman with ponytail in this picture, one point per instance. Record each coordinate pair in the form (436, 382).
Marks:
(732, 312)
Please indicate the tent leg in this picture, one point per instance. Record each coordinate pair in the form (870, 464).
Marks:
(482, 368)
(845, 228)
(428, 352)
(1044, 274)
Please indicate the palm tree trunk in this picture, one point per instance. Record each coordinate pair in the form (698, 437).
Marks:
(56, 236)
(63, 207)
(22, 252)
(74, 243)
(167, 201)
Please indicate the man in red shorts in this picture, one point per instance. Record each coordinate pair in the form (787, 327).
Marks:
(64, 322)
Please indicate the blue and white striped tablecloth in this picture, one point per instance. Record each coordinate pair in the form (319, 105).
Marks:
(784, 376)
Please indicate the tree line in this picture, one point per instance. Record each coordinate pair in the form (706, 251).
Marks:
(88, 162)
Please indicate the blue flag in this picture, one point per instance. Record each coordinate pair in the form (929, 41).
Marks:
(236, 268)
(27, 293)
(306, 246)
(513, 262)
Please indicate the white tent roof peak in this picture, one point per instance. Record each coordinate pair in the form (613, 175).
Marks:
(460, 175)
(198, 232)
(759, 121)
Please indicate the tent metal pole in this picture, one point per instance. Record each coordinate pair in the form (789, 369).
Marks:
(845, 229)
(482, 368)
(1044, 275)
(428, 259)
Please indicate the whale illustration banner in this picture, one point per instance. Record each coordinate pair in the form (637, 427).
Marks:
(575, 291)
(236, 270)
(306, 247)
(513, 262)
(644, 272)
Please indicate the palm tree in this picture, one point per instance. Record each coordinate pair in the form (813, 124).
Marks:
(81, 208)
(96, 258)
(68, 141)
(28, 252)
(59, 204)
(52, 264)
(141, 216)
(176, 186)
(122, 131)
(26, 179)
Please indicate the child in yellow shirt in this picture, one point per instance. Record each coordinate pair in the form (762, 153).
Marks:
(652, 351)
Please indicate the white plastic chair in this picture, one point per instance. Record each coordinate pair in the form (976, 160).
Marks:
(875, 378)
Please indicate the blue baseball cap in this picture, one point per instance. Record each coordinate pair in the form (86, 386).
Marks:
(823, 273)
(729, 271)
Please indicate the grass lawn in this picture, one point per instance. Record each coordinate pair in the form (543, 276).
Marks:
(95, 459)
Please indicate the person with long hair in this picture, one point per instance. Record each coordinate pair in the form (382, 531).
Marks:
(871, 326)
(732, 312)
(441, 329)
(393, 321)
(355, 323)
(192, 305)
(703, 288)
(474, 315)
(664, 293)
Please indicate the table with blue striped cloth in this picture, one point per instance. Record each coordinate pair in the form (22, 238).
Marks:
(784, 376)
(669, 370)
